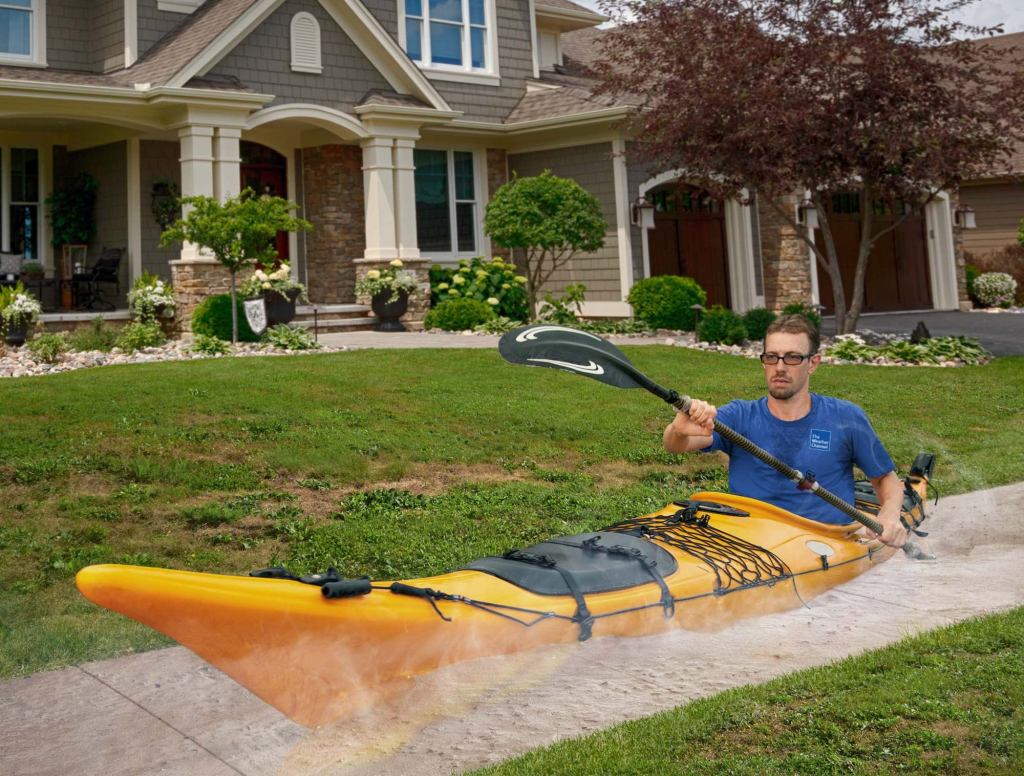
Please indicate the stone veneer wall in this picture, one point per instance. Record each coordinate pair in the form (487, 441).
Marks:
(419, 300)
(960, 258)
(497, 175)
(332, 177)
(787, 274)
(193, 282)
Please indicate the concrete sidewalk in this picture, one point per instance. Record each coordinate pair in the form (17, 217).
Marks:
(168, 712)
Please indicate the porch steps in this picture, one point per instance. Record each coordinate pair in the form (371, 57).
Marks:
(334, 317)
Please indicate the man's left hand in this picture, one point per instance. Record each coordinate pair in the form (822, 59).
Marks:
(894, 533)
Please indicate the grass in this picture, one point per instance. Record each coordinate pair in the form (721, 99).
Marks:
(947, 702)
(387, 463)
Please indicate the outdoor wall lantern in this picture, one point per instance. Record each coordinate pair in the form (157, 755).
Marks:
(642, 213)
(807, 215)
(963, 217)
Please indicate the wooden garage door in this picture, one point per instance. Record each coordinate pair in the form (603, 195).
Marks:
(897, 274)
(689, 239)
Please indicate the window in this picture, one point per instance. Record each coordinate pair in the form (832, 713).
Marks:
(446, 204)
(447, 33)
(306, 44)
(18, 20)
(24, 202)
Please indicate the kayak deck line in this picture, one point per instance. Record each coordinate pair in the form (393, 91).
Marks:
(315, 658)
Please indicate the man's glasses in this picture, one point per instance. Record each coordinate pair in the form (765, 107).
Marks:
(790, 359)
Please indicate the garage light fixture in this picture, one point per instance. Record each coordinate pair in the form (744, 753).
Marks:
(641, 213)
(807, 214)
(963, 217)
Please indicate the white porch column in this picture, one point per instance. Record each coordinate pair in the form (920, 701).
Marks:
(134, 212)
(227, 155)
(405, 199)
(379, 188)
(196, 174)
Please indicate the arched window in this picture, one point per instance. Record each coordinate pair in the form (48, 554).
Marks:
(306, 44)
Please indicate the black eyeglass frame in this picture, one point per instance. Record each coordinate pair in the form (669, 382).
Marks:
(771, 359)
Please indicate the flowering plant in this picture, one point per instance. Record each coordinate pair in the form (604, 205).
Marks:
(150, 298)
(488, 280)
(392, 278)
(18, 306)
(279, 280)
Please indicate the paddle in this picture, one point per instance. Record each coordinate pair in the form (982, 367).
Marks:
(572, 350)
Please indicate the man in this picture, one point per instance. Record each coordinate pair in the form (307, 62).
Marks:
(810, 432)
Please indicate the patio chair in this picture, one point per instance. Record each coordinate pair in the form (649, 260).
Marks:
(87, 287)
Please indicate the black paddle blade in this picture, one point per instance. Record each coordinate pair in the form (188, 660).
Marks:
(571, 350)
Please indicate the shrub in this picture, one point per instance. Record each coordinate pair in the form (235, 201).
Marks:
(150, 299)
(666, 301)
(140, 335)
(482, 279)
(757, 321)
(995, 289)
(210, 346)
(722, 325)
(48, 347)
(971, 271)
(851, 347)
(97, 337)
(458, 315)
(212, 317)
(806, 311)
(290, 337)
(560, 309)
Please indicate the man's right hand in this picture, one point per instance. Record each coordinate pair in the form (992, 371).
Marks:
(691, 430)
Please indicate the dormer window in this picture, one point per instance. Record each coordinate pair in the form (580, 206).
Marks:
(22, 31)
(452, 35)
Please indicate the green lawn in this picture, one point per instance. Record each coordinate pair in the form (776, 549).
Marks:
(947, 702)
(388, 463)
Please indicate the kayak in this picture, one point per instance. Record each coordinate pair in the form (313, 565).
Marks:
(309, 646)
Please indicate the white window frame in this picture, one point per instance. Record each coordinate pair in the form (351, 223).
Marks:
(479, 179)
(465, 72)
(37, 36)
(305, 59)
(7, 198)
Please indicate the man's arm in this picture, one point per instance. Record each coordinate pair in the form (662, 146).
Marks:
(889, 489)
(691, 430)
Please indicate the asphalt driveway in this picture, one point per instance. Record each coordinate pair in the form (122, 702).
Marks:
(1001, 333)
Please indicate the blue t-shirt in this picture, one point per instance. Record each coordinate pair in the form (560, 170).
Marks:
(827, 441)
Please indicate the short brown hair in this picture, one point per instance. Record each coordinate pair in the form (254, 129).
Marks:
(794, 324)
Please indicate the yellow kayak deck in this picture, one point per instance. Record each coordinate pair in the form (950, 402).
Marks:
(308, 655)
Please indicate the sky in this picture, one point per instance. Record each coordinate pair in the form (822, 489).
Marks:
(984, 13)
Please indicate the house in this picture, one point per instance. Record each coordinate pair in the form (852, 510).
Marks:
(391, 123)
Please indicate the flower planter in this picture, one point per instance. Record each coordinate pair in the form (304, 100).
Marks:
(388, 313)
(280, 309)
(16, 333)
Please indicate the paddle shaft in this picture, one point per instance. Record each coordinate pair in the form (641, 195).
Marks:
(803, 481)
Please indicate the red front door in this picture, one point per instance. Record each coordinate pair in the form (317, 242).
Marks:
(266, 172)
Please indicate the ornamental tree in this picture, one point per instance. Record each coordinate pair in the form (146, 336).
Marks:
(551, 218)
(782, 96)
(240, 232)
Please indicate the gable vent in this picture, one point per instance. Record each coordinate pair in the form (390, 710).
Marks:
(306, 44)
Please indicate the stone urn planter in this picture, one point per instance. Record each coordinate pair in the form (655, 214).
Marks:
(16, 333)
(389, 312)
(280, 308)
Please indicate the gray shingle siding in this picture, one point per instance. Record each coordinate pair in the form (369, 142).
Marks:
(157, 159)
(154, 24)
(386, 12)
(591, 167)
(69, 35)
(263, 62)
(84, 35)
(108, 35)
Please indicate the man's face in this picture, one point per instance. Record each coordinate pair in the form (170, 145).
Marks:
(787, 380)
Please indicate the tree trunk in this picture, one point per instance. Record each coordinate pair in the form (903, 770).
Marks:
(831, 264)
(863, 254)
(234, 313)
